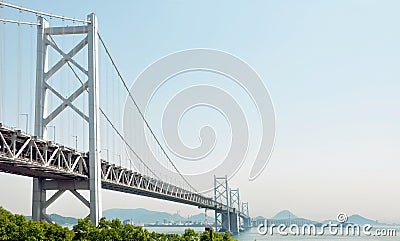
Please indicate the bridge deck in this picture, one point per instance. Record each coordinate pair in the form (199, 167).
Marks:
(23, 154)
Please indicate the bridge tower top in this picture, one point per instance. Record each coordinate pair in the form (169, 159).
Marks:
(235, 199)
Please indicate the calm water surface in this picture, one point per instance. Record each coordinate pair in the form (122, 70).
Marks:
(251, 235)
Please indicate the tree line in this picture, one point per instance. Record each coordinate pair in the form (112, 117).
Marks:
(17, 227)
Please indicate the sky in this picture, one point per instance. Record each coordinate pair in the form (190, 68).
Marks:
(331, 68)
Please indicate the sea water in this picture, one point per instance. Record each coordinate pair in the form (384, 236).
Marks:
(252, 234)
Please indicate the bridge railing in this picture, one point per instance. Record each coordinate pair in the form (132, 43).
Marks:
(23, 154)
(116, 177)
(28, 155)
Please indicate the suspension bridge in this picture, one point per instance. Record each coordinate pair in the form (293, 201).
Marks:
(60, 167)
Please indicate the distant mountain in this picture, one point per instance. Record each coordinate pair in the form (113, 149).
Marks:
(60, 219)
(360, 220)
(141, 215)
(285, 214)
(201, 218)
(357, 219)
(287, 217)
(63, 220)
(138, 216)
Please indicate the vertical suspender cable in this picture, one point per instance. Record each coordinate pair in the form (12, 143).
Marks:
(120, 116)
(103, 102)
(140, 159)
(112, 113)
(2, 54)
(84, 62)
(2, 69)
(141, 113)
(31, 78)
(50, 98)
(75, 124)
(19, 73)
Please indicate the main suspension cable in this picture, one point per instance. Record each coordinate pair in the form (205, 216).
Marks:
(141, 113)
(20, 8)
(4, 20)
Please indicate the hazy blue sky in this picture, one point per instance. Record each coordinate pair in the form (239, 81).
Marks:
(332, 69)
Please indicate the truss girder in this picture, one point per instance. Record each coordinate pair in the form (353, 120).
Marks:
(27, 155)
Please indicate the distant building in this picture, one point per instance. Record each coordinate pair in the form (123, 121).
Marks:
(128, 221)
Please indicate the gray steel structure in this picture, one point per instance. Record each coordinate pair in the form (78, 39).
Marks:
(237, 216)
(57, 167)
(63, 168)
(221, 195)
(234, 201)
(42, 119)
(227, 219)
(245, 215)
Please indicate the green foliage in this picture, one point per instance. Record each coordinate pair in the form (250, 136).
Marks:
(205, 236)
(16, 227)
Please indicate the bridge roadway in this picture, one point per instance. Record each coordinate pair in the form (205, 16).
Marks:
(23, 154)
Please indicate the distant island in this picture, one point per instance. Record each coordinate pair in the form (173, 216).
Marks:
(286, 217)
(144, 217)
(141, 217)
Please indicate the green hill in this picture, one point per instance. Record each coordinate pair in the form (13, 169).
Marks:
(64, 221)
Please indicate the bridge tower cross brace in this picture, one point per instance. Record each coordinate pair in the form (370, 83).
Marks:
(235, 202)
(235, 199)
(245, 210)
(42, 119)
(221, 195)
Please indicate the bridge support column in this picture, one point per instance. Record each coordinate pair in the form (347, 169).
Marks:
(94, 126)
(234, 223)
(228, 221)
(42, 119)
(222, 221)
(246, 217)
(38, 199)
(60, 187)
(246, 223)
(40, 203)
(38, 194)
(235, 204)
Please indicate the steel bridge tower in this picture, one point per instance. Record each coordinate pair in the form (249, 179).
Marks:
(221, 195)
(245, 210)
(226, 218)
(235, 203)
(42, 118)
